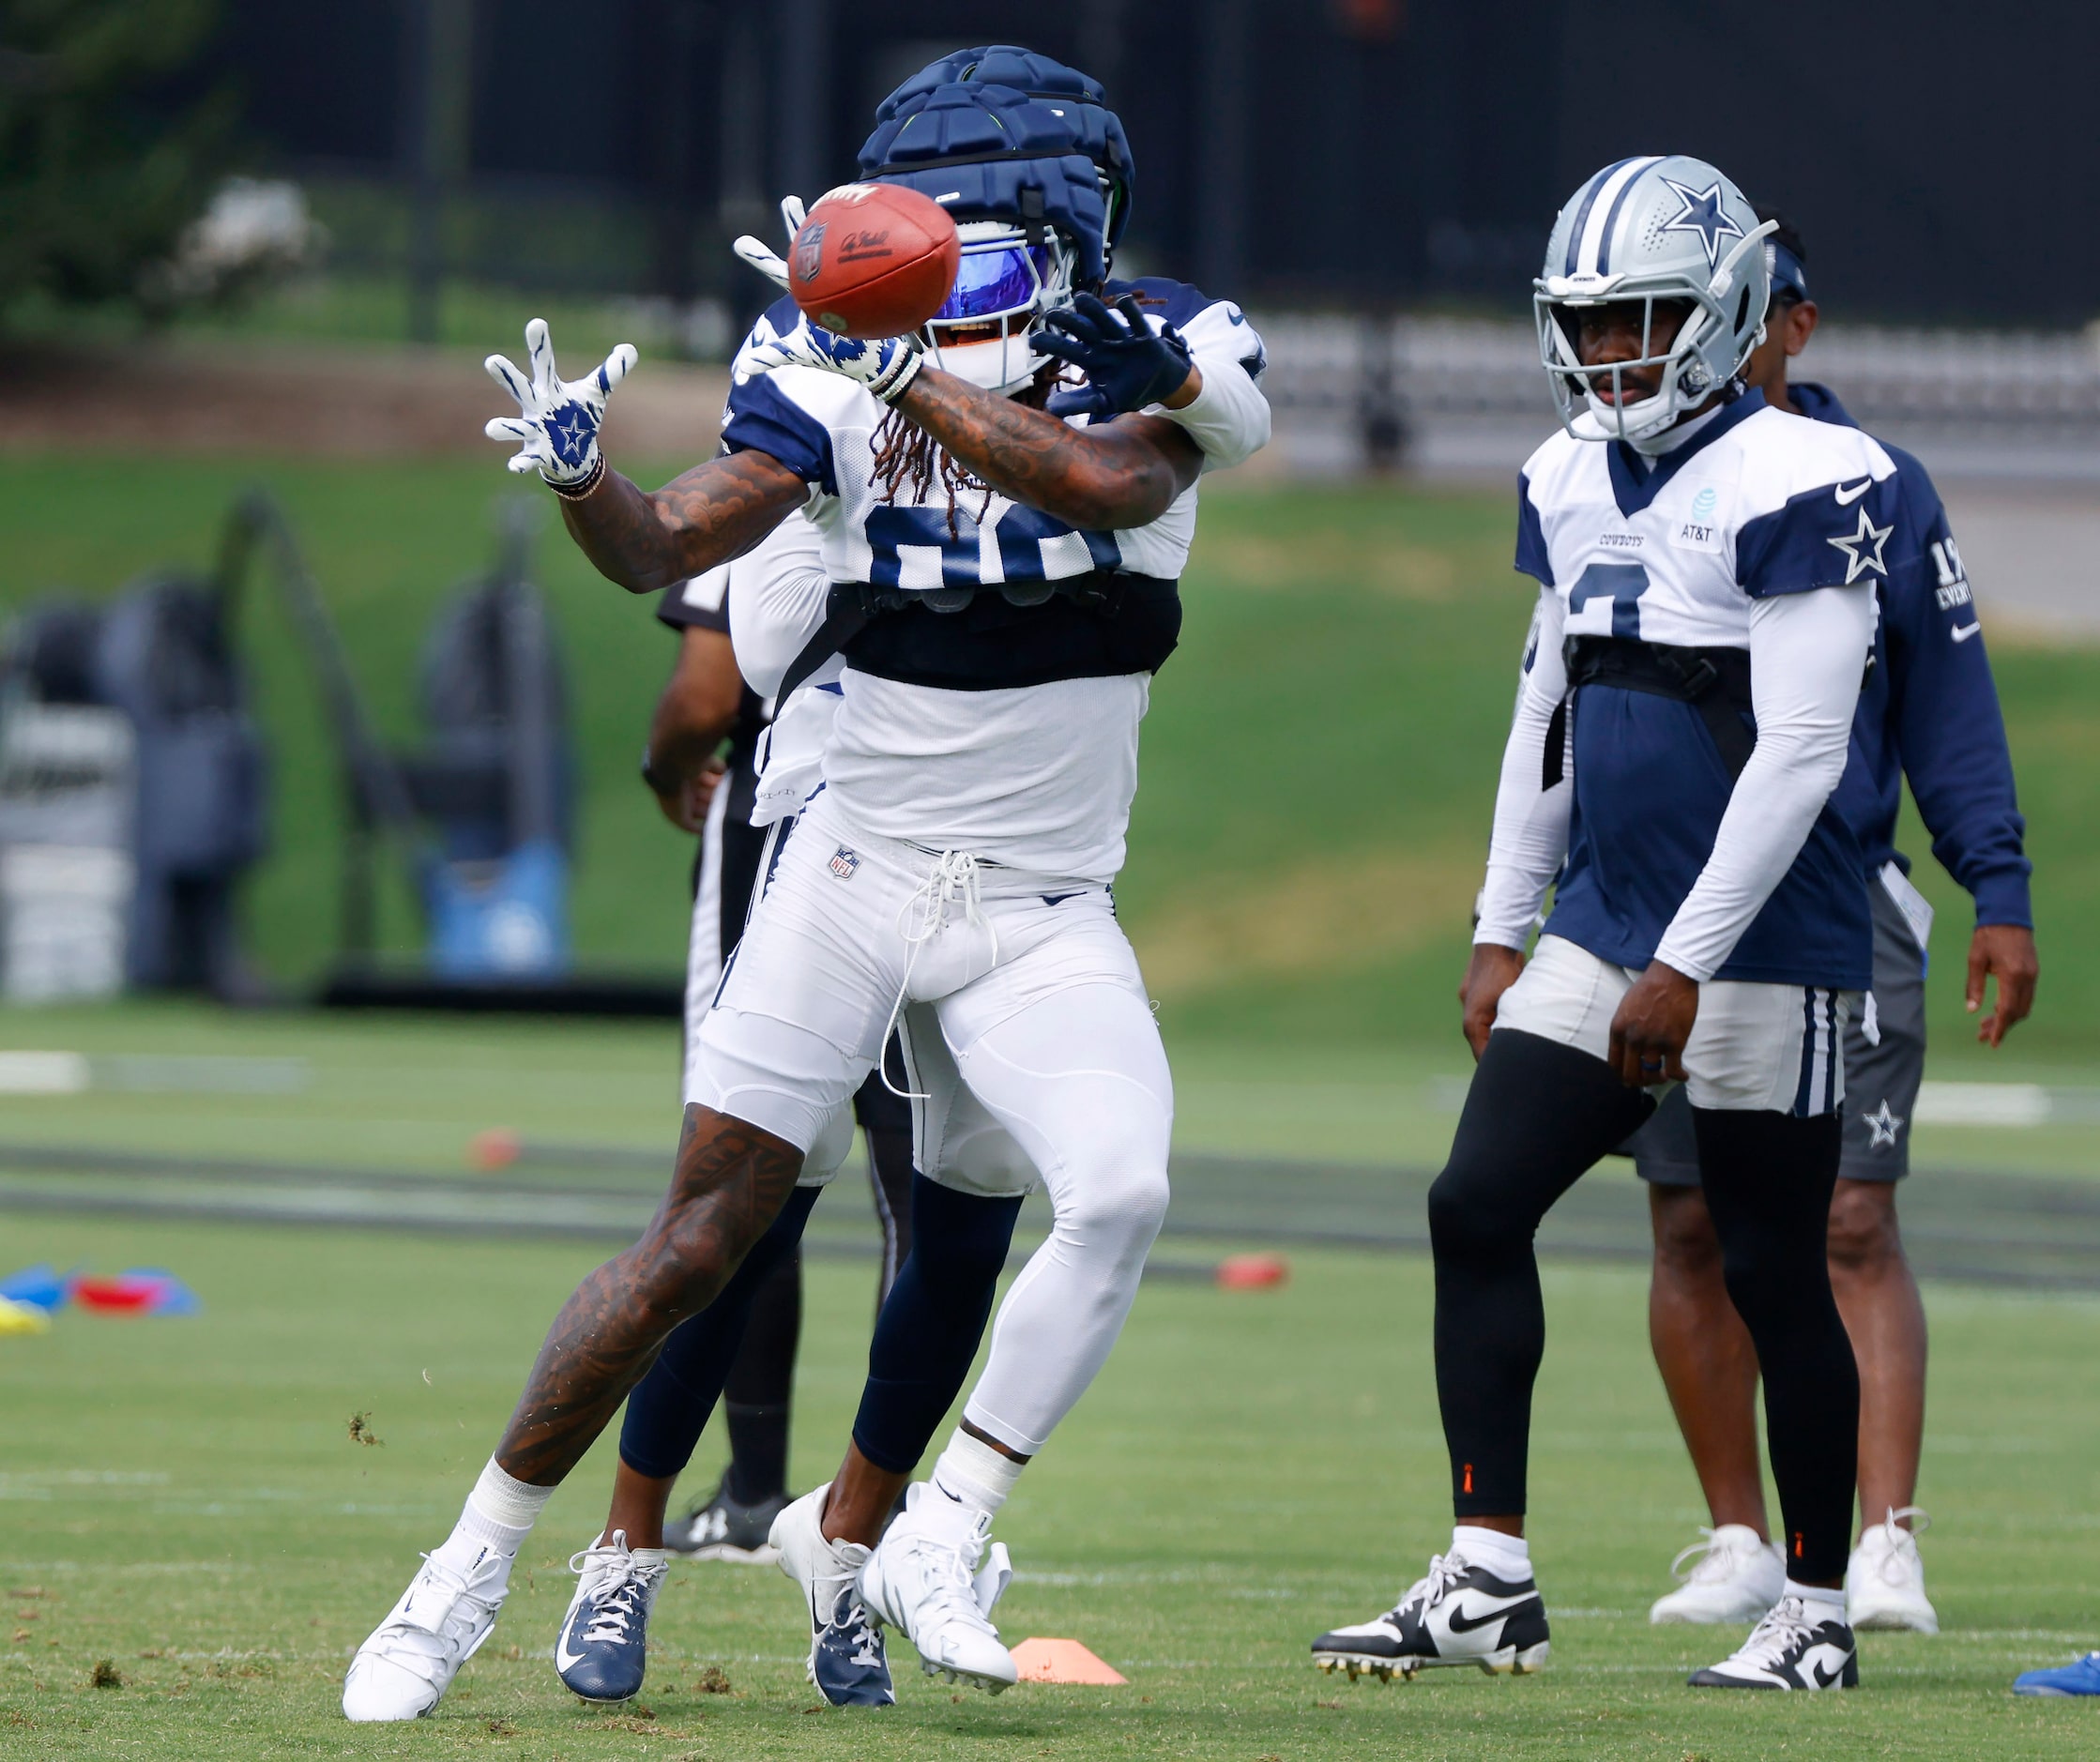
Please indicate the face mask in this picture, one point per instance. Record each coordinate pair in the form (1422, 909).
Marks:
(1004, 365)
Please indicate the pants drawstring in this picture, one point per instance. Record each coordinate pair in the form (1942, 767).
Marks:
(952, 881)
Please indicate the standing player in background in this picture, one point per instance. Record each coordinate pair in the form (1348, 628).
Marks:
(706, 701)
(1928, 712)
(1701, 557)
(1005, 586)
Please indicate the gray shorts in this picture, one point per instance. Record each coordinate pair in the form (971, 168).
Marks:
(1880, 1081)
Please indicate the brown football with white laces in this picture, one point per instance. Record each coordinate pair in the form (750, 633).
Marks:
(873, 260)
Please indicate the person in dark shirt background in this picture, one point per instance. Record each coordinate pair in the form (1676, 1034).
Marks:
(1928, 712)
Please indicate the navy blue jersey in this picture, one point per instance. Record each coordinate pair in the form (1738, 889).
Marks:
(1930, 709)
(1757, 503)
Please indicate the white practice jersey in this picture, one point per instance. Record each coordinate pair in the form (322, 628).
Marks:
(1039, 773)
(776, 594)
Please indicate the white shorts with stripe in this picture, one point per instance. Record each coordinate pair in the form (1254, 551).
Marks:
(1754, 1049)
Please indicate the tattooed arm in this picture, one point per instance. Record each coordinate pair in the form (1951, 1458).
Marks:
(1105, 478)
(645, 541)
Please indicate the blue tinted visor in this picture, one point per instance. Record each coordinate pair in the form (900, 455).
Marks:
(995, 280)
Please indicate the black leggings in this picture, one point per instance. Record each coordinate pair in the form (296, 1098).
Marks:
(1537, 1116)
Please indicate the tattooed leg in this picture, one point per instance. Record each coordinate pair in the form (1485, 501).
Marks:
(731, 1182)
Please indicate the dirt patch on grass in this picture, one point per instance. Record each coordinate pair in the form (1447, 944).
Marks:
(275, 398)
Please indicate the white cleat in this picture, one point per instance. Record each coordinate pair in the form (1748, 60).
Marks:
(1734, 1575)
(930, 1576)
(1884, 1580)
(402, 1671)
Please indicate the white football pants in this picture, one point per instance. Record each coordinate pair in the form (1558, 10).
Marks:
(1755, 1048)
(1018, 991)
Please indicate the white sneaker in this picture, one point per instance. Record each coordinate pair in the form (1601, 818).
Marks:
(923, 1577)
(1734, 1577)
(402, 1671)
(847, 1660)
(1884, 1580)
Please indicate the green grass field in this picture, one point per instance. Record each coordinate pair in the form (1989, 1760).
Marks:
(183, 1499)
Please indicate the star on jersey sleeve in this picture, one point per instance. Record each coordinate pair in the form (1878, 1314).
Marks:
(1835, 534)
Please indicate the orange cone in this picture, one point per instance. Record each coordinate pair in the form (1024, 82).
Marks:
(1252, 1273)
(1063, 1661)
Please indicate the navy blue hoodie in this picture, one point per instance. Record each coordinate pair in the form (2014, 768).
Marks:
(1929, 710)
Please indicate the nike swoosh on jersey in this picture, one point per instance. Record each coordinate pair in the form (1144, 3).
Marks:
(1965, 633)
(1848, 494)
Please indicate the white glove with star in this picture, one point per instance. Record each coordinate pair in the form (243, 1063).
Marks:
(885, 365)
(556, 431)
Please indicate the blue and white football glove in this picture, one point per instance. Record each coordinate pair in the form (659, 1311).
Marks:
(556, 431)
(762, 256)
(1128, 364)
(884, 365)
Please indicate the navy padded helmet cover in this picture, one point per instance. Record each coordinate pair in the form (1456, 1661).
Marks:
(995, 64)
(992, 152)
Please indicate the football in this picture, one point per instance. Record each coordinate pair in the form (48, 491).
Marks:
(873, 260)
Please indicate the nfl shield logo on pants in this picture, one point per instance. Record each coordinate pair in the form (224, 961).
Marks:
(843, 862)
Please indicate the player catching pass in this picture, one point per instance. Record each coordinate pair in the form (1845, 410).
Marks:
(1005, 586)
(1702, 559)
(1930, 713)
(768, 601)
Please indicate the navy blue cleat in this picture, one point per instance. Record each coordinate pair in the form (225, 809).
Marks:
(2080, 1678)
(846, 1660)
(603, 1649)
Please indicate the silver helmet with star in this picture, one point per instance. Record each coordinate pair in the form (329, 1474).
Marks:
(1652, 229)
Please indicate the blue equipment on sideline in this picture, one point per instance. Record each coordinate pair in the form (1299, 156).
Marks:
(485, 808)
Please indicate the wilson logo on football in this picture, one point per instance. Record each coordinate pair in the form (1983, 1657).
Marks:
(809, 252)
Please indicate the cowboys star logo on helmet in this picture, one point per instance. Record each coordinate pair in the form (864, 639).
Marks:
(1704, 214)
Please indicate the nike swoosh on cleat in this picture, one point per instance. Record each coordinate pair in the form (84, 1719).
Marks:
(1848, 494)
(1824, 1682)
(566, 1660)
(1966, 630)
(1460, 1624)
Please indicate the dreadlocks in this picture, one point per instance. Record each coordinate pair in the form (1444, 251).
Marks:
(907, 460)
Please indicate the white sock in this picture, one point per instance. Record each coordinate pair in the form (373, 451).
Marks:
(499, 1513)
(1507, 1556)
(1819, 1600)
(971, 1472)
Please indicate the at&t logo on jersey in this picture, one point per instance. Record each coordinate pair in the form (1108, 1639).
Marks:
(1701, 530)
(843, 862)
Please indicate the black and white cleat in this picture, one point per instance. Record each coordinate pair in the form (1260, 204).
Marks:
(1457, 1614)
